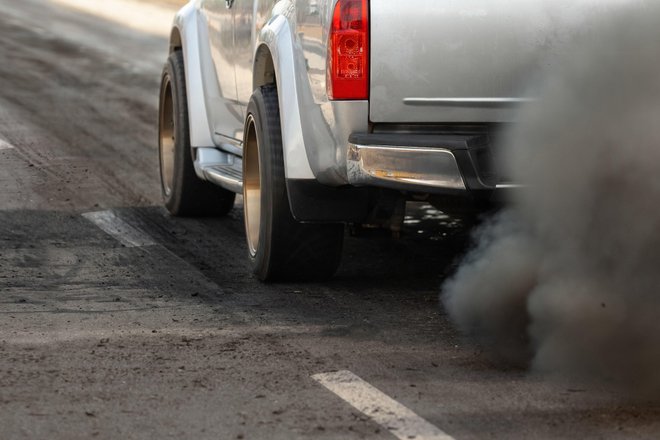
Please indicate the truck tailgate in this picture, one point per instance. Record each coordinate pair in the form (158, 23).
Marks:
(469, 60)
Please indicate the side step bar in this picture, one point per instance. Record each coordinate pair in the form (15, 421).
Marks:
(227, 176)
(219, 167)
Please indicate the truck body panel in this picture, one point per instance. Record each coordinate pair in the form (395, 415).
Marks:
(435, 66)
(470, 60)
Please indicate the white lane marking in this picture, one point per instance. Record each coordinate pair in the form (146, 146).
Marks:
(387, 412)
(4, 145)
(126, 234)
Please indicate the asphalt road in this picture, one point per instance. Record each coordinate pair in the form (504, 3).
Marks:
(173, 338)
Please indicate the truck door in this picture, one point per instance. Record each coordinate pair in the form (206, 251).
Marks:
(220, 78)
(243, 45)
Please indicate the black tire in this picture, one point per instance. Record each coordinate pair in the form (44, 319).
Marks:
(184, 193)
(280, 248)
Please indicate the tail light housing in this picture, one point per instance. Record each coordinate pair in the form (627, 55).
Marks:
(348, 51)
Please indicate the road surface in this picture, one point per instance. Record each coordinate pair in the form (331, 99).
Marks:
(120, 321)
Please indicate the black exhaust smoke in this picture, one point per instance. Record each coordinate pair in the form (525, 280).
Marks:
(569, 277)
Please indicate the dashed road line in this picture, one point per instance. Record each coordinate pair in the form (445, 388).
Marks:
(123, 232)
(4, 145)
(400, 421)
(131, 236)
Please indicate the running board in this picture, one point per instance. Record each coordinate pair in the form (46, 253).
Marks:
(221, 168)
(227, 176)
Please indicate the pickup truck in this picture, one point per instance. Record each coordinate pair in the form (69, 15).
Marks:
(323, 113)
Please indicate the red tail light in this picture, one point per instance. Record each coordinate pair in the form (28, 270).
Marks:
(348, 52)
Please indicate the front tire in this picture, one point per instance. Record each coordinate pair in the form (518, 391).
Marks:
(280, 247)
(184, 193)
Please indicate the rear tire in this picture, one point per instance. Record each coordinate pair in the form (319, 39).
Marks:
(184, 193)
(280, 247)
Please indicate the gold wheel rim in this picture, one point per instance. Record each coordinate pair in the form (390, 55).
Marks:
(251, 187)
(167, 138)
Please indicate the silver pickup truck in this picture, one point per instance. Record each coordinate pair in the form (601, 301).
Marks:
(327, 112)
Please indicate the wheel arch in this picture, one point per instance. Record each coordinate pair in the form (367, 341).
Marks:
(176, 43)
(264, 68)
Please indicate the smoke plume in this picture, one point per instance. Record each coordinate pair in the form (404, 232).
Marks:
(569, 276)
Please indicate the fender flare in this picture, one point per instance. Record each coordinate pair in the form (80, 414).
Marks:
(278, 37)
(185, 23)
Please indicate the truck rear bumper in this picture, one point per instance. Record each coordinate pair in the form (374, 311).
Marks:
(423, 163)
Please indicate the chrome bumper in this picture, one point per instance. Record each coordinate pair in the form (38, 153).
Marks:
(401, 167)
(430, 163)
